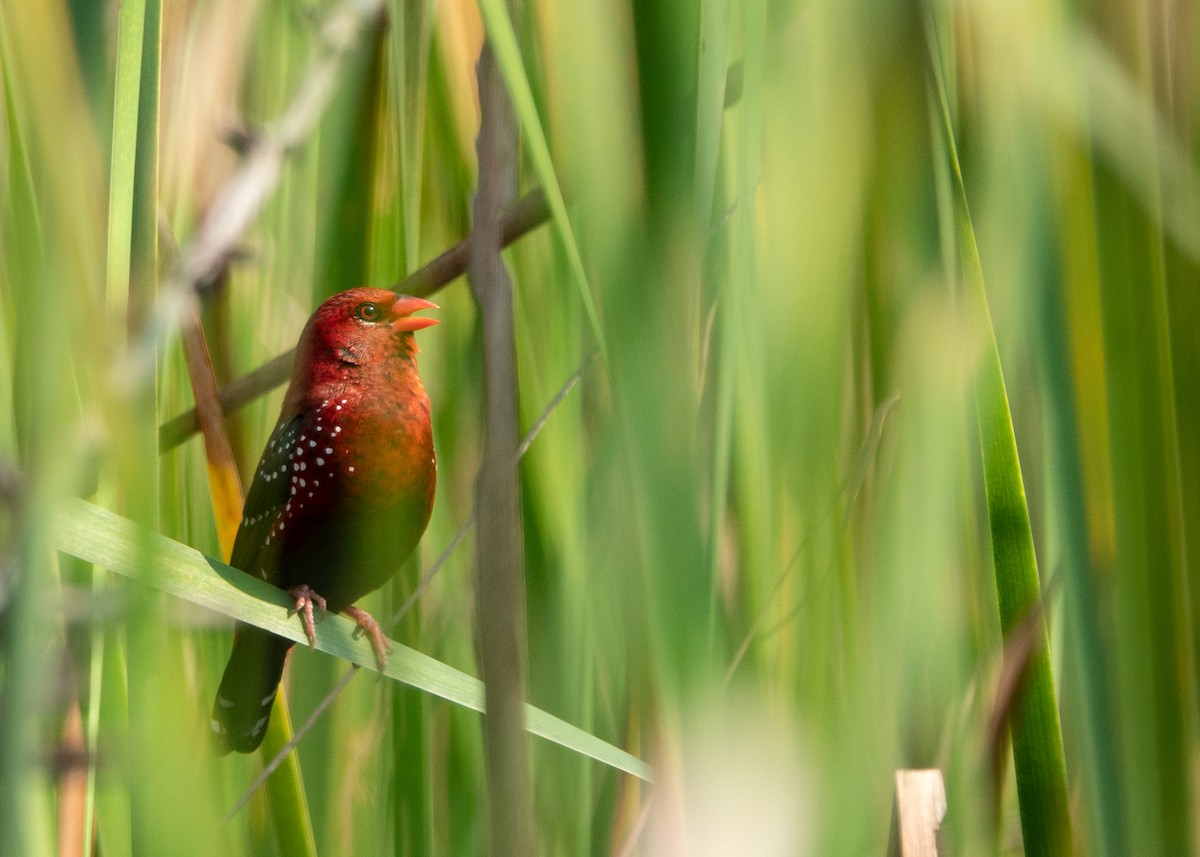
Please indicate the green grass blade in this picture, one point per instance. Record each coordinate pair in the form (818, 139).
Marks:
(1152, 572)
(713, 69)
(1036, 732)
(101, 537)
(290, 816)
(349, 145)
(508, 57)
(123, 166)
(1091, 655)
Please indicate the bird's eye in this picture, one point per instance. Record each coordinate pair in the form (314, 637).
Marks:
(368, 312)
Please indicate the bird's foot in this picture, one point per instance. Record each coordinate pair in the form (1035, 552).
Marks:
(305, 599)
(368, 625)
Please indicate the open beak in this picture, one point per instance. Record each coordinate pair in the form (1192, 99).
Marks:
(403, 319)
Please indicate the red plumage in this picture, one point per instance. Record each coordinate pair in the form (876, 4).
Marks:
(342, 493)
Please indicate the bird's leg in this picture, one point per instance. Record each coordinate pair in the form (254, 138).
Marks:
(305, 599)
(371, 628)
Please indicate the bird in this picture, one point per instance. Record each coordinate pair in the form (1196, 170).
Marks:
(342, 493)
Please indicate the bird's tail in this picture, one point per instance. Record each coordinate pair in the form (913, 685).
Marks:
(243, 704)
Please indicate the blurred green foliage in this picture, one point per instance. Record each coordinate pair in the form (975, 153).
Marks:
(757, 535)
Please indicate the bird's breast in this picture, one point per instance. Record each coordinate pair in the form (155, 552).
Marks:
(378, 451)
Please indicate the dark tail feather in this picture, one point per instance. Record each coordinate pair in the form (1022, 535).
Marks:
(247, 692)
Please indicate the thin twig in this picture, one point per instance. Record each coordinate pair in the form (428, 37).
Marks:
(849, 489)
(278, 758)
(528, 214)
(639, 825)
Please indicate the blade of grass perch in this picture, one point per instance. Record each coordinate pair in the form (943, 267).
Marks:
(1040, 765)
(102, 537)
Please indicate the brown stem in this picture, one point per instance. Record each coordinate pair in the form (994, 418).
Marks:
(500, 573)
(223, 480)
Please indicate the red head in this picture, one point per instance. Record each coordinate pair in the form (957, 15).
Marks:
(356, 336)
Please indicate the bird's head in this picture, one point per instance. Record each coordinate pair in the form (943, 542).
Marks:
(365, 326)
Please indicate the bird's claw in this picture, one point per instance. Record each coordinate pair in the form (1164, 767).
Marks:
(367, 625)
(305, 599)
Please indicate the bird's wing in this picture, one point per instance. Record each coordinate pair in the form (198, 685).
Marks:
(269, 492)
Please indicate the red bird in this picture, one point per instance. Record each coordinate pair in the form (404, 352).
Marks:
(342, 493)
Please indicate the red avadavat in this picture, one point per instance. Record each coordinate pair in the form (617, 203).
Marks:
(343, 491)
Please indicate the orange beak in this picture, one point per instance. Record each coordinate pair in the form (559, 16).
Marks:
(403, 319)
